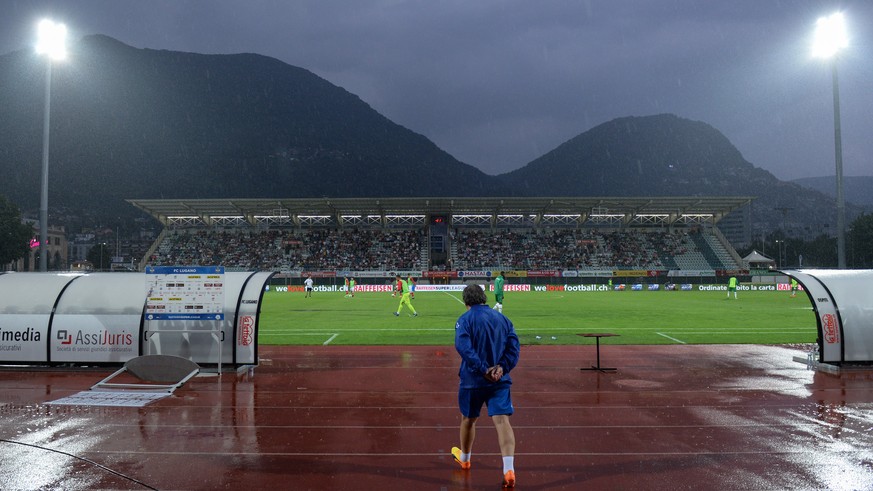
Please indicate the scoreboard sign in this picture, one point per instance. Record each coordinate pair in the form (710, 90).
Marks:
(185, 293)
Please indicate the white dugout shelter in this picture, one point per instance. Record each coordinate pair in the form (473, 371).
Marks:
(843, 304)
(110, 318)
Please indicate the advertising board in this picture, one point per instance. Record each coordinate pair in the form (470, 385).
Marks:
(245, 337)
(22, 337)
(94, 338)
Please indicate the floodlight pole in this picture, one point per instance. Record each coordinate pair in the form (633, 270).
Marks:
(43, 201)
(838, 157)
(830, 38)
(51, 44)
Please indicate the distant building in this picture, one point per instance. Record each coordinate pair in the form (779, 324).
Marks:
(57, 250)
(80, 245)
(736, 226)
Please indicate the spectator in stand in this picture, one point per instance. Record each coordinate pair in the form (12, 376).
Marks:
(386, 250)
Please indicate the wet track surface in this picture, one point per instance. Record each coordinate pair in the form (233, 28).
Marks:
(384, 418)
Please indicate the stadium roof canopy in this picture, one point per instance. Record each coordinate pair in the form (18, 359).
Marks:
(578, 211)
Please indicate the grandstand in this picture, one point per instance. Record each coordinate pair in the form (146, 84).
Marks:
(574, 237)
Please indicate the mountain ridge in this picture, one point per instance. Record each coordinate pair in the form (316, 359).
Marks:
(132, 123)
(145, 121)
(664, 155)
(856, 189)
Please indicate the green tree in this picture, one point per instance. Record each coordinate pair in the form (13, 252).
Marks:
(861, 242)
(14, 235)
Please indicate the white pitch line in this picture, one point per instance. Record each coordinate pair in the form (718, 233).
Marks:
(740, 331)
(279, 332)
(454, 298)
(329, 340)
(669, 337)
(283, 333)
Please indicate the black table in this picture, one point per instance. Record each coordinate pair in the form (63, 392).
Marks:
(597, 336)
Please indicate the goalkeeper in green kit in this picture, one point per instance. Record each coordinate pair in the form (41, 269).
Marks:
(498, 293)
(403, 286)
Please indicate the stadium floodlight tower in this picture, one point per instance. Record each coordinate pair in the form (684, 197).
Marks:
(830, 39)
(51, 42)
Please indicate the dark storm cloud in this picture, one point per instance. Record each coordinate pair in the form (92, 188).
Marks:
(499, 83)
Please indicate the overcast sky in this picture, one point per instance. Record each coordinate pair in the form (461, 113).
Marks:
(499, 83)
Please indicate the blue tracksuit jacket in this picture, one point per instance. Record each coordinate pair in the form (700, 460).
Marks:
(484, 338)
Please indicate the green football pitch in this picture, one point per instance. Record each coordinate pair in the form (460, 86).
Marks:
(639, 317)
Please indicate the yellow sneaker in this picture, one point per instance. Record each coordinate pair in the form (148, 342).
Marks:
(509, 479)
(456, 454)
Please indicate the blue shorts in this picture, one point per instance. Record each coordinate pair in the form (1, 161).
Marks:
(497, 398)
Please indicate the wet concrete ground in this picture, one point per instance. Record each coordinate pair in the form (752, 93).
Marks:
(384, 418)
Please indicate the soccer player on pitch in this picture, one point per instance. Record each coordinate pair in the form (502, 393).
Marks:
(307, 284)
(498, 293)
(398, 287)
(404, 297)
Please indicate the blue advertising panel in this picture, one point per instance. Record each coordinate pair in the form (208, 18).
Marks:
(185, 293)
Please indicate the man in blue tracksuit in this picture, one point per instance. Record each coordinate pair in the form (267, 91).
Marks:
(489, 350)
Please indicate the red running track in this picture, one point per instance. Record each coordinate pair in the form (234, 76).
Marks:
(384, 418)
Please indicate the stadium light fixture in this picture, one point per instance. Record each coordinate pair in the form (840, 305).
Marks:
(607, 215)
(51, 42)
(830, 38)
(654, 215)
